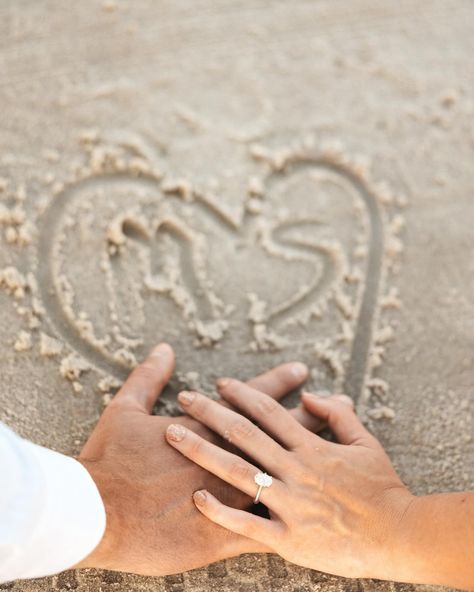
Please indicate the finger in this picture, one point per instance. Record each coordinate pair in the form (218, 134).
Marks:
(229, 467)
(234, 428)
(281, 380)
(239, 521)
(306, 419)
(269, 414)
(144, 385)
(341, 419)
(311, 422)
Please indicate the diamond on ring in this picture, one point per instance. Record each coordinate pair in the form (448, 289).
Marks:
(262, 480)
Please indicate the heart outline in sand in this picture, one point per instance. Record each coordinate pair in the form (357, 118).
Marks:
(364, 324)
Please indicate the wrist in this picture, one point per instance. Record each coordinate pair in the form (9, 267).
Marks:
(436, 540)
(396, 538)
(407, 562)
(97, 558)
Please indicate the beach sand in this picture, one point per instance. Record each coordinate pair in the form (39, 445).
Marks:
(252, 182)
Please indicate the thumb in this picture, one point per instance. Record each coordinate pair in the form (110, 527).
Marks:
(312, 422)
(340, 418)
(144, 385)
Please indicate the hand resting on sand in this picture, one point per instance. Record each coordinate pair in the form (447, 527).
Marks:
(335, 507)
(153, 527)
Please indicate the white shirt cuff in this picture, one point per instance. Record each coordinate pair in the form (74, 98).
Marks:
(67, 514)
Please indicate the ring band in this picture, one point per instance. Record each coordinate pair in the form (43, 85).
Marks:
(262, 480)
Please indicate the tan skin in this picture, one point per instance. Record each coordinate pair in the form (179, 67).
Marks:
(334, 507)
(153, 527)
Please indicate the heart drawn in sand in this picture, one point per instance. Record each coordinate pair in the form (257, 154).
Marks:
(127, 260)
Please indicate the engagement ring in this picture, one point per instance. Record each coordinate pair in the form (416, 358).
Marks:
(262, 480)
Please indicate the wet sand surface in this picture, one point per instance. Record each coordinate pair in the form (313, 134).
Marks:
(252, 182)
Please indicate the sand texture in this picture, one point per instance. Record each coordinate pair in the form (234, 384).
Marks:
(252, 182)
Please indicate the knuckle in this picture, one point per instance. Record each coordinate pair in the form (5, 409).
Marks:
(301, 443)
(285, 378)
(266, 406)
(299, 469)
(195, 446)
(336, 464)
(344, 399)
(342, 409)
(241, 428)
(239, 470)
(145, 372)
(200, 405)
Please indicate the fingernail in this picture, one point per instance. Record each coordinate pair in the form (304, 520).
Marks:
(311, 396)
(186, 398)
(199, 498)
(222, 382)
(175, 432)
(345, 399)
(161, 350)
(299, 370)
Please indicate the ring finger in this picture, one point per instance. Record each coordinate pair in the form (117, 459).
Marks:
(227, 466)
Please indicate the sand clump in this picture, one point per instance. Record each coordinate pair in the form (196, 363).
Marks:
(13, 281)
(211, 332)
(332, 359)
(391, 300)
(381, 412)
(23, 342)
(14, 216)
(106, 399)
(108, 383)
(190, 380)
(50, 347)
(18, 230)
(264, 338)
(73, 366)
(179, 187)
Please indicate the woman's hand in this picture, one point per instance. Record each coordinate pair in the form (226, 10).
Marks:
(337, 508)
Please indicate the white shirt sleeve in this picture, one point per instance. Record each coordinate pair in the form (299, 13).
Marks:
(51, 512)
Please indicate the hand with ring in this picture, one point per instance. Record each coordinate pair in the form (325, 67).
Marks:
(335, 507)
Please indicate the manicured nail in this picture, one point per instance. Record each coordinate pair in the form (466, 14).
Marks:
(222, 382)
(161, 350)
(175, 432)
(199, 497)
(186, 398)
(299, 370)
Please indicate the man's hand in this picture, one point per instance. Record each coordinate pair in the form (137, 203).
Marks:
(153, 527)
